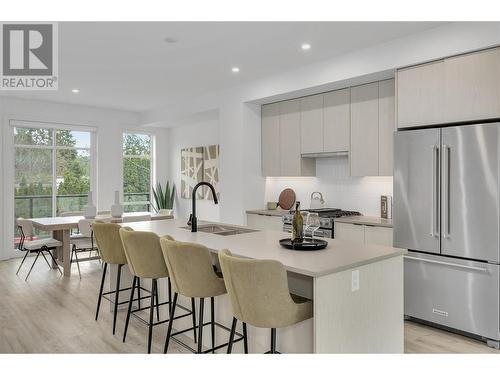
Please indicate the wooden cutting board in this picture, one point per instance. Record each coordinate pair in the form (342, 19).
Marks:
(287, 199)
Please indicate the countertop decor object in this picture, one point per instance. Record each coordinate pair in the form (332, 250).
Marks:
(317, 200)
(287, 199)
(305, 245)
(272, 205)
(164, 199)
(90, 210)
(117, 208)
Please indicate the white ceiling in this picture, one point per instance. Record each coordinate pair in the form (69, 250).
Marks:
(128, 65)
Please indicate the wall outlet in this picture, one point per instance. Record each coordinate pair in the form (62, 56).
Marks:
(355, 280)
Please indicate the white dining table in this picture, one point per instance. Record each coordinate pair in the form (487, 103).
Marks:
(61, 228)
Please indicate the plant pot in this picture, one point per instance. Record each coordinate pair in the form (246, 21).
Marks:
(166, 211)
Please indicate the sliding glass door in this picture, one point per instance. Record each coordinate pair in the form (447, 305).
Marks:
(53, 170)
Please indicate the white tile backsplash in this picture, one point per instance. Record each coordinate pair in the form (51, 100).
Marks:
(338, 188)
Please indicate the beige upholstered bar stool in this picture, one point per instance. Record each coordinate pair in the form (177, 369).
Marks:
(110, 244)
(145, 260)
(192, 275)
(259, 295)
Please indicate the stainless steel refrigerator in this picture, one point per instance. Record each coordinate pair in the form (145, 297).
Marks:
(446, 213)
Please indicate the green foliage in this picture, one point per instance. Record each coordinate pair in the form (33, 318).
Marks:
(136, 164)
(164, 199)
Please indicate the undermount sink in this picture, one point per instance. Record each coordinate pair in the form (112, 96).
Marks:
(221, 229)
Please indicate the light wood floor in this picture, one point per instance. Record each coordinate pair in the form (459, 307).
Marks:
(52, 314)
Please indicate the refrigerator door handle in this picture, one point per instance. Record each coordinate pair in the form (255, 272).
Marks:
(456, 265)
(446, 191)
(435, 191)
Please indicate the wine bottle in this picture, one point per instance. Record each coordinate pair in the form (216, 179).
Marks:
(297, 225)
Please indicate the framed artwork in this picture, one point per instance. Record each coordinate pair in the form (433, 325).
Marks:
(199, 164)
(211, 170)
(191, 171)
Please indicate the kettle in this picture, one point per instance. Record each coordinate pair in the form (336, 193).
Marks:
(317, 200)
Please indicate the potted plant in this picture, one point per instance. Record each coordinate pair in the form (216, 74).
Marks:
(164, 199)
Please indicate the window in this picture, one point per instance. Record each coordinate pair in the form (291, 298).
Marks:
(52, 170)
(137, 172)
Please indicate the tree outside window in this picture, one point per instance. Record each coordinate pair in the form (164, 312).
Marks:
(38, 191)
(136, 171)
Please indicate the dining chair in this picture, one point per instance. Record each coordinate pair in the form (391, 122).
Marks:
(83, 242)
(41, 246)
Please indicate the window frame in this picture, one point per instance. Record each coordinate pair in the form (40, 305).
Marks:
(152, 162)
(54, 127)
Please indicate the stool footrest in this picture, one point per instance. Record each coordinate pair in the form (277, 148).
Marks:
(133, 313)
(183, 344)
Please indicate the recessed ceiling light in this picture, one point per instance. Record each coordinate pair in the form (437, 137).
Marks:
(170, 40)
(75, 91)
(235, 69)
(305, 46)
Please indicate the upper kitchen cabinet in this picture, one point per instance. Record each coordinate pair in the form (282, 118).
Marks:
(364, 130)
(472, 86)
(281, 155)
(336, 120)
(457, 89)
(271, 164)
(291, 161)
(311, 120)
(386, 127)
(420, 95)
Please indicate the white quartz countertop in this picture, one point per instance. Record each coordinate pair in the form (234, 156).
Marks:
(338, 256)
(276, 212)
(365, 220)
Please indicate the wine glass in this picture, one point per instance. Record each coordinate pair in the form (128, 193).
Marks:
(313, 223)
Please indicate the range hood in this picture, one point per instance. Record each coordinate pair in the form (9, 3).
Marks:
(326, 154)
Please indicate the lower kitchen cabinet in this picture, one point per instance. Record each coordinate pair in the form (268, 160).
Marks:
(378, 235)
(265, 222)
(363, 234)
(354, 233)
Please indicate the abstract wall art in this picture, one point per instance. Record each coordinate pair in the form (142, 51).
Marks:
(191, 171)
(211, 170)
(199, 164)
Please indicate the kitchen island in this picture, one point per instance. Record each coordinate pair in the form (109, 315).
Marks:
(357, 291)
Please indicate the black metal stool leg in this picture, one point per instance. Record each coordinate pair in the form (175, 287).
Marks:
(231, 336)
(151, 314)
(170, 323)
(117, 293)
(245, 338)
(169, 295)
(37, 255)
(273, 340)
(212, 321)
(200, 326)
(139, 292)
(193, 309)
(100, 290)
(134, 281)
(157, 302)
(24, 258)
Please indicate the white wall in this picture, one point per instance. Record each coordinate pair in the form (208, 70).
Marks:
(110, 125)
(242, 185)
(198, 134)
(339, 190)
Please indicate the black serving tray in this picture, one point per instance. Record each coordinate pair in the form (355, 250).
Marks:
(304, 245)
